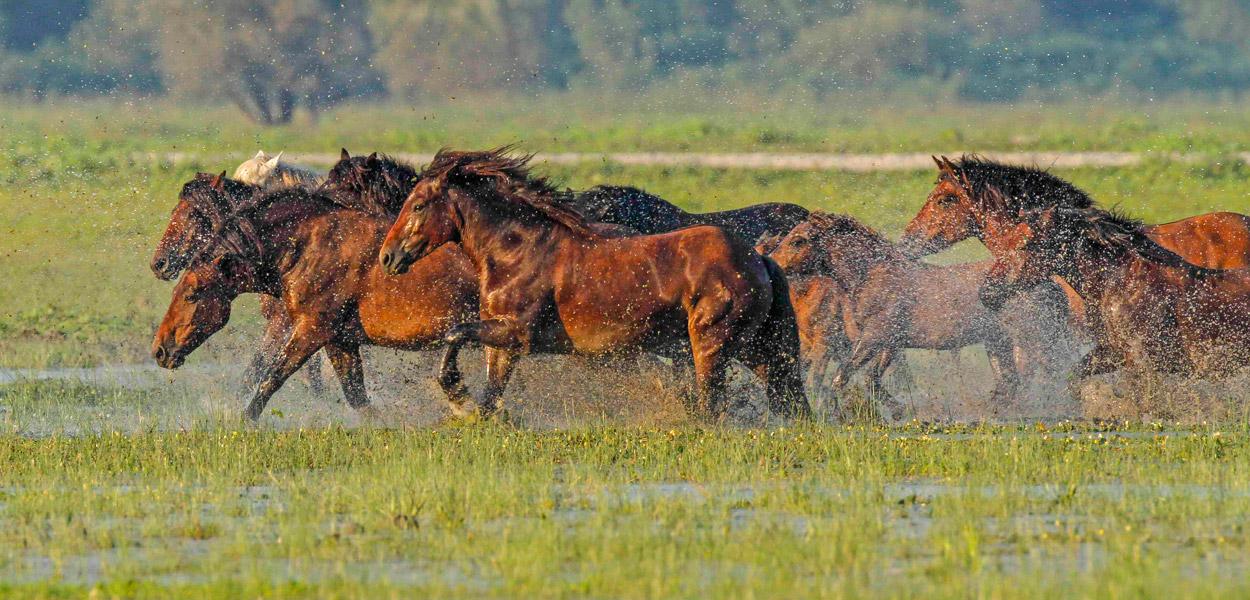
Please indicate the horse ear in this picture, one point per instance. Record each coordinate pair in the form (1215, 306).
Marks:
(372, 160)
(260, 155)
(344, 155)
(219, 182)
(273, 162)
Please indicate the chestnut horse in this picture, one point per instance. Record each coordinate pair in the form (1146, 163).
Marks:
(552, 283)
(318, 257)
(1218, 240)
(890, 302)
(189, 228)
(1160, 313)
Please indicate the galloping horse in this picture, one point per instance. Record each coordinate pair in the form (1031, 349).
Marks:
(1159, 312)
(188, 231)
(552, 283)
(318, 257)
(998, 198)
(650, 214)
(890, 302)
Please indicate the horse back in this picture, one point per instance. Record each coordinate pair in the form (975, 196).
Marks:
(1218, 240)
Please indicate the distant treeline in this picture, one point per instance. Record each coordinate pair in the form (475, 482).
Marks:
(271, 57)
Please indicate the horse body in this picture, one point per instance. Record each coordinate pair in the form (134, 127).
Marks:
(890, 302)
(551, 283)
(190, 225)
(1146, 305)
(650, 214)
(1158, 312)
(318, 258)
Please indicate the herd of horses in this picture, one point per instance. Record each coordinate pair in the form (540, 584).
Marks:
(475, 248)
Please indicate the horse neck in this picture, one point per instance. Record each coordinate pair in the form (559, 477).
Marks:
(492, 239)
(281, 240)
(1097, 272)
(873, 252)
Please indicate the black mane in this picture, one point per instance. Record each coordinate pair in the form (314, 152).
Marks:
(377, 184)
(1019, 188)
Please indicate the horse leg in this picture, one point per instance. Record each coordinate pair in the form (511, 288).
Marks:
(499, 364)
(499, 334)
(277, 328)
(1002, 357)
(345, 358)
(1102, 359)
(303, 342)
(876, 372)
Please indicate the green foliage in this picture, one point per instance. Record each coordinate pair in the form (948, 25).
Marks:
(272, 57)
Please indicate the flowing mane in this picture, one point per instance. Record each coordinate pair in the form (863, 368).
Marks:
(511, 178)
(212, 204)
(1015, 188)
(239, 232)
(1119, 233)
(376, 184)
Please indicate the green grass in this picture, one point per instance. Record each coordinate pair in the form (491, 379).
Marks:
(626, 512)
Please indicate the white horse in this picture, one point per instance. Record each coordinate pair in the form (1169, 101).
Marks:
(270, 171)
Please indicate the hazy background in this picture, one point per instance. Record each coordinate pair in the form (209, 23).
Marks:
(275, 59)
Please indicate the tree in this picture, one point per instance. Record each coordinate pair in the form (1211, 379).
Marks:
(268, 58)
(449, 47)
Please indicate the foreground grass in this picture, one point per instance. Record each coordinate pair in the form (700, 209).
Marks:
(624, 512)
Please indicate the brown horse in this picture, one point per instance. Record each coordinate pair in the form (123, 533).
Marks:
(189, 228)
(890, 302)
(650, 214)
(1218, 240)
(1159, 313)
(1001, 197)
(551, 283)
(318, 257)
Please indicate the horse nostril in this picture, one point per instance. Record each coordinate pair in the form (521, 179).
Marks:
(386, 259)
(159, 354)
(159, 264)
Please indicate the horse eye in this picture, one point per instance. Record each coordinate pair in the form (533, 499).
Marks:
(948, 198)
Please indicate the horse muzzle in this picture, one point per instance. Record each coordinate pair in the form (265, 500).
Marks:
(167, 358)
(395, 261)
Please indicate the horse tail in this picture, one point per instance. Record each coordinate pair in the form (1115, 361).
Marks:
(777, 349)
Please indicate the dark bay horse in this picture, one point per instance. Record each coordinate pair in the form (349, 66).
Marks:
(552, 283)
(889, 302)
(650, 214)
(319, 258)
(1000, 198)
(1159, 312)
(190, 226)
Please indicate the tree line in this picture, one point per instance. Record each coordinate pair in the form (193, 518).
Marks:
(272, 57)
